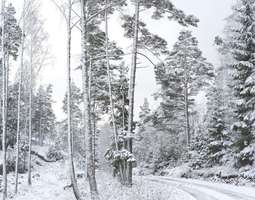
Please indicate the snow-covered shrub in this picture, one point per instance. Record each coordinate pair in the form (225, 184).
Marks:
(54, 154)
(11, 162)
(246, 156)
(158, 149)
(119, 158)
(183, 171)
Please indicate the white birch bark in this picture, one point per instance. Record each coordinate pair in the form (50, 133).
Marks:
(70, 133)
(87, 107)
(4, 108)
(30, 115)
(115, 131)
(19, 100)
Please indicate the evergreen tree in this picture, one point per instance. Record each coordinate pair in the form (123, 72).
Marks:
(44, 117)
(120, 96)
(12, 43)
(13, 32)
(242, 47)
(218, 139)
(182, 76)
(144, 114)
(76, 121)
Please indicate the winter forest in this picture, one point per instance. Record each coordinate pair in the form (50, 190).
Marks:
(73, 125)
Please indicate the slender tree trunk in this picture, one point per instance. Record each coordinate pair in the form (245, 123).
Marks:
(123, 100)
(30, 115)
(18, 114)
(115, 131)
(87, 107)
(92, 102)
(94, 131)
(70, 133)
(186, 99)
(40, 132)
(109, 77)
(7, 66)
(132, 89)
(4, 109)
(19, 101)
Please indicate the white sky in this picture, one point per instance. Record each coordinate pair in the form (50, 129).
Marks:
(210, 12)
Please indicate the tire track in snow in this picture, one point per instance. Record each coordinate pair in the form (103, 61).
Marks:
(193, 193)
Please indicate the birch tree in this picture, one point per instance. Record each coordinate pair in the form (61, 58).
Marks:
(87, 106)
(4, 108)
(19, 98)
(38, 57)
(66, 11)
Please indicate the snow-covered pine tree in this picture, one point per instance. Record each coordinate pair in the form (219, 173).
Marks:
(120, 93)
(12, 43)
(242, 47)
(145, 111)
(76, 124)
(184, 73)
(43, 115)
(218, 138)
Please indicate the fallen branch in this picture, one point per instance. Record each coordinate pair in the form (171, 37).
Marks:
(42, 157)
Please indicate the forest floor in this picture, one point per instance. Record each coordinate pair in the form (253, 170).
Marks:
(50, 179)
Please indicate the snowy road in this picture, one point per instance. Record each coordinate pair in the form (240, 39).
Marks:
(201, 190)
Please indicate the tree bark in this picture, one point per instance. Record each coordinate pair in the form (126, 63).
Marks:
(87, 106)
(115, 131)
(186, 99)
(109, 77)
(30, 115)
(19, 100)
(132, 90)
(70, 133)
(4, 108)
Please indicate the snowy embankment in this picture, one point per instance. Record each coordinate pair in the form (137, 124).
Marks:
(49, 181)
(221, 174)
(202, 190)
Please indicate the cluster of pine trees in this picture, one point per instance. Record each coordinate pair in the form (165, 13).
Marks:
(225, 135)
(105, 86)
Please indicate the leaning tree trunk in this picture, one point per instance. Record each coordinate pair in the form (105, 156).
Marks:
(19, 100)
(70, 133)
(4, 108)
(87, 107)
(132, 90)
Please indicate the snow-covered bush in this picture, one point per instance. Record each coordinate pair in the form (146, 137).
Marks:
(246, 156)
(183, 171)
(54, 154)
(11, 161)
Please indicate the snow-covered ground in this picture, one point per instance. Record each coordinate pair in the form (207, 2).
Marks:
(50, 179)
(202, 190)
